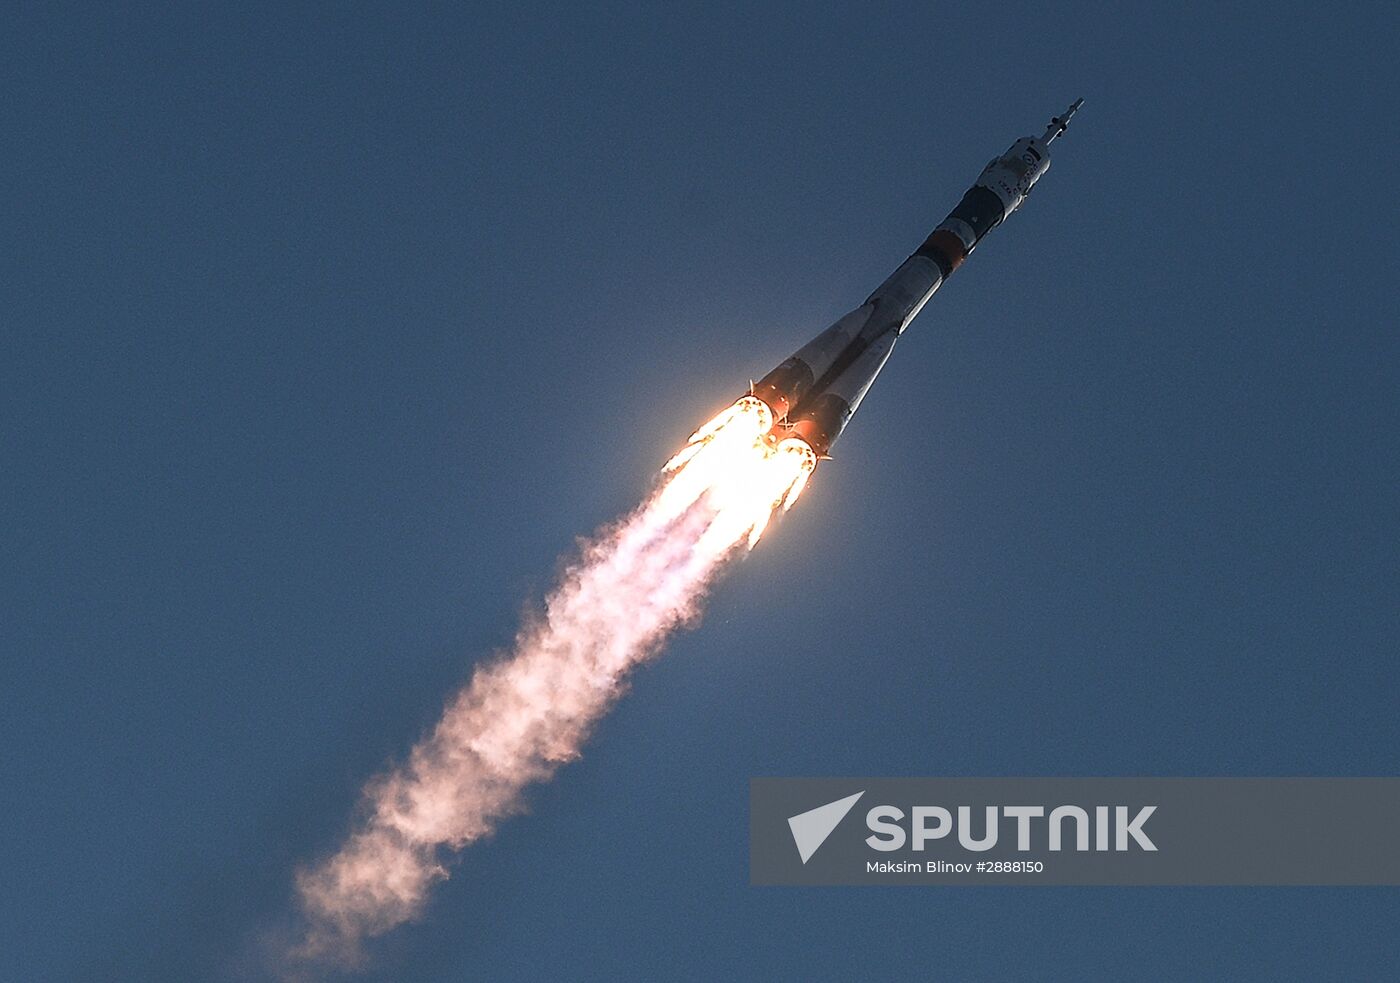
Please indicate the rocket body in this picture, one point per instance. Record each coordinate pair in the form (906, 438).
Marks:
(814, 393)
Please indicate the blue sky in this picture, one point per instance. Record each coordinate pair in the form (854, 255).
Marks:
(327, 330)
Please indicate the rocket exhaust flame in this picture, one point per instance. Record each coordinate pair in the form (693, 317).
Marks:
(523, 716)
(738, 442)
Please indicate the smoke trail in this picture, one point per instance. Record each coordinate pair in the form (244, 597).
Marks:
(520, 718)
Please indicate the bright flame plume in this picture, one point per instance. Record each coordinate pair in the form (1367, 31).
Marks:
(523, 716)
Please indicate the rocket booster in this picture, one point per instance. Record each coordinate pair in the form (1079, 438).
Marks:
(815, 392)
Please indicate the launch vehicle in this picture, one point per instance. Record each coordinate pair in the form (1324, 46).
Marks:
(814, 393)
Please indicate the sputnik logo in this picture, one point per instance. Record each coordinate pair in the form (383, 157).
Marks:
(811, 828)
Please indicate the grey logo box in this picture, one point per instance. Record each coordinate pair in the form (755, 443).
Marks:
(1104, 831)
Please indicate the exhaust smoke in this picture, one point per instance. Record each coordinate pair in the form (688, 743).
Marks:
(521, 717)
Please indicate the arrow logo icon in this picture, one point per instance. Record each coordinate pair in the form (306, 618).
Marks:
(811, 828)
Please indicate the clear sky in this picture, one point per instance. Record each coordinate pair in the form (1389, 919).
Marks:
(327, 330)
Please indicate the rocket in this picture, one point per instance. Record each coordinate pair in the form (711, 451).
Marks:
(814, 393)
